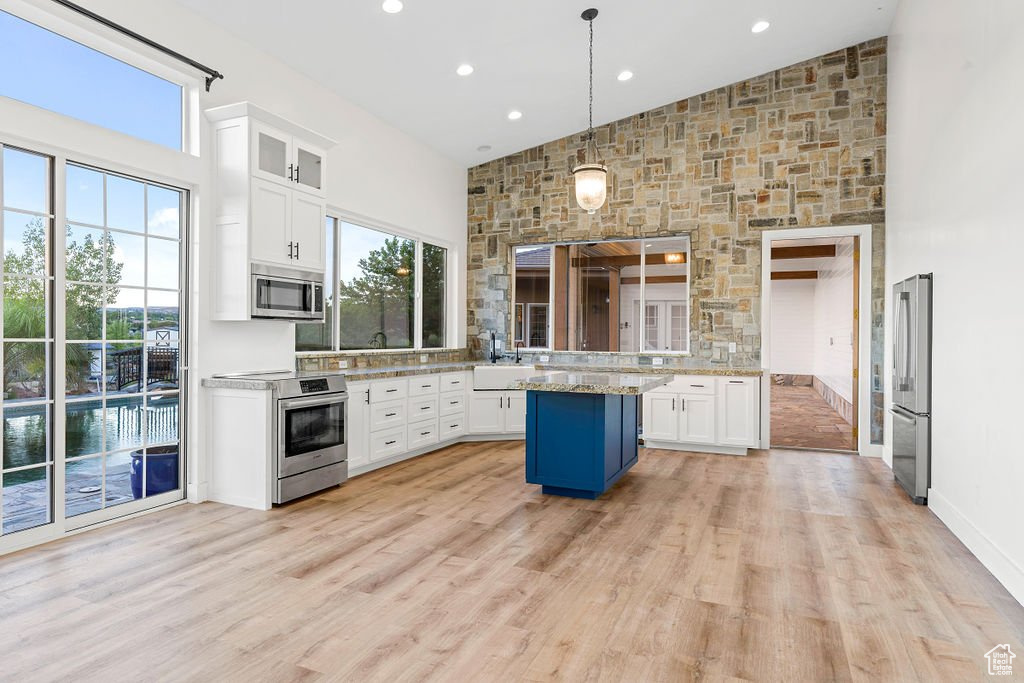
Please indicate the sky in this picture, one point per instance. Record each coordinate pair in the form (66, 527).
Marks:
(55, 73)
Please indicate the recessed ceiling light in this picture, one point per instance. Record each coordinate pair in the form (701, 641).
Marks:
(392, 6)
(626, 75)
(515, 115)
(760, 27)
(464, 69)
(483, 148)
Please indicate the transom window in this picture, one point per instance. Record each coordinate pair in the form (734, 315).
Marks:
(48, 70)
(626, 295)
(381, 291)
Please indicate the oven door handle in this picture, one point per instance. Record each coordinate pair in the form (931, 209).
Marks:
(305, 402)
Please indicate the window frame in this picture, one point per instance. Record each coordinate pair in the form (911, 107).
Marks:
(123, 49)
(642, 300)
(338, 216)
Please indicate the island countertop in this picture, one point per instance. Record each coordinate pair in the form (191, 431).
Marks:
(628, 384)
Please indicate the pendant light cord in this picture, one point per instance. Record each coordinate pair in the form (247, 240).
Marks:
(590, 125)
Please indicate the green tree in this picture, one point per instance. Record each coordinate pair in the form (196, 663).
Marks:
(87, 260)
(377, 307)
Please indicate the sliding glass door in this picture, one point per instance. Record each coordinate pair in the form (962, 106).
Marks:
(103, 299)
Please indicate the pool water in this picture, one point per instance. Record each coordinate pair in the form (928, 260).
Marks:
(26, 432)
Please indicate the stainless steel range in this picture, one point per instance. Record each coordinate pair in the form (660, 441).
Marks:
(310, 433)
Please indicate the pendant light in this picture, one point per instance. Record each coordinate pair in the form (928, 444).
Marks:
(591, 176)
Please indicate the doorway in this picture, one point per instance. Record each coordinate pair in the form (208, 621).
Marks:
(813, 352)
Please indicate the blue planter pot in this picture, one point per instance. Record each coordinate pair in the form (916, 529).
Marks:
(161, 470)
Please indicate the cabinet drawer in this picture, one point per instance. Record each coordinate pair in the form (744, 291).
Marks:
(452, 426)
(385, 444)
(454, 381)
(695, 385)
(422, 434)
(388, 390)
(424, 385)
(452, 403)
(422, 408)
(389, 414)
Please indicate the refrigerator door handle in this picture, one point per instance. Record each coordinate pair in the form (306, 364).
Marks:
(910, 419)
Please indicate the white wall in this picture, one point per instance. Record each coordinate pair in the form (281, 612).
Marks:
(833, 321)
(792, 327)
(953, 186)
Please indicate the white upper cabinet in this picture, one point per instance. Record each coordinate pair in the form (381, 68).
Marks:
(287, 159)
(270, 206)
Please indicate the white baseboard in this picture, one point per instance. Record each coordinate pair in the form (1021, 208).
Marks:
(1006, 571)
(239, 501)
(695, 447)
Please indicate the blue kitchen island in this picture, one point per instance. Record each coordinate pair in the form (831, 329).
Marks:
(581, 429)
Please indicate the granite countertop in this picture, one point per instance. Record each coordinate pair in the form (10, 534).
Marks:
(630, 384)
(710, 370)
(391, 371)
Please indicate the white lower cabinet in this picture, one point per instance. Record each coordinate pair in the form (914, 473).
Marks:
(358, 424)
(738, 404)
(393, 419)
(387, 443)
(497, 412)
(717, 413)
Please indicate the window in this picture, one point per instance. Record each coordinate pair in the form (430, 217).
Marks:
(589, 296)
(532, 286)
(387, 292)
(58, 74)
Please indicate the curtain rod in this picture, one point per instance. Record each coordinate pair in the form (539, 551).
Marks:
(211, 74)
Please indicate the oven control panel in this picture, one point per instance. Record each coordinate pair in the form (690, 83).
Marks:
(313, 386)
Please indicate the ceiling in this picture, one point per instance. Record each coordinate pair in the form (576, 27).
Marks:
(531, 56)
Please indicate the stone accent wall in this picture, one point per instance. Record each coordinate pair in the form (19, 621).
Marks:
(802, 146)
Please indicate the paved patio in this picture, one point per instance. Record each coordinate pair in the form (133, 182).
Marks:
(28, 505)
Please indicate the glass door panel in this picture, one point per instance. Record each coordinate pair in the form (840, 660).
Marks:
(123, 306)
(26, 223)
(309, 171)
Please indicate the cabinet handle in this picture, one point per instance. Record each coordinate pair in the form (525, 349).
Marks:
(424, 407)
(296, 250)
(673, 405)
(453, 403)
(697, 386)
(735, 381)
(452, 426)
(291, 250)
(390, 414)
(390, 391)
(501, 401)
(290, 167)
(388, 443)
(682, 405)
(296, 173)
(426, 386)
(455, 381)
(424, 433)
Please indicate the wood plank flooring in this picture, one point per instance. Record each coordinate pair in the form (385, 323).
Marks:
(801, 418)
(779, 566)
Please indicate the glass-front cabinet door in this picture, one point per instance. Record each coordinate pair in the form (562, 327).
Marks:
(309, 167)
(272, 154)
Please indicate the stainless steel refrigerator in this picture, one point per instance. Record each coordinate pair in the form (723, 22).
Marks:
(911, 385)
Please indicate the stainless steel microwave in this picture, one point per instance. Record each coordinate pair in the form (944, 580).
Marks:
(286, 294)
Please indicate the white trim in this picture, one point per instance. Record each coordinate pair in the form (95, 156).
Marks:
(864, 445)
(695, 447)
(1006, 571)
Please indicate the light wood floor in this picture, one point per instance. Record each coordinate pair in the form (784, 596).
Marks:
(780, 566)
(801, 418)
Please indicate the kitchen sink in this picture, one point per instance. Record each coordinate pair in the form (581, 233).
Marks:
(501, 376)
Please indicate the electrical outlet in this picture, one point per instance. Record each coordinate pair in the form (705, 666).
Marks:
(657, 360)
(545, 359)
(732, 347)
(423, 358)
(342, 364)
